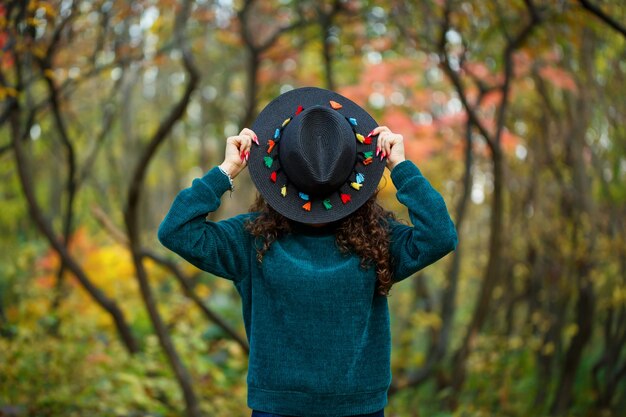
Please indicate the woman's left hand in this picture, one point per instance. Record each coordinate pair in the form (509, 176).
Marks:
(389, 145)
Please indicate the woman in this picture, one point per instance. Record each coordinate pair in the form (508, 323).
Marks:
(315, 258)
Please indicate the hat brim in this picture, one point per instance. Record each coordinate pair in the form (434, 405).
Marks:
(291, 205)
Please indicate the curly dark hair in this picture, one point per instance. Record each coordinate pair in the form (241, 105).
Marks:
(365, 232)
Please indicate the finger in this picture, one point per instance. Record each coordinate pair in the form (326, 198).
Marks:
(390, 140)
(250, 132)
(243, 144)
(246, 144)
(236, 142)
(248, 137)
(379, 130)
(383, 137)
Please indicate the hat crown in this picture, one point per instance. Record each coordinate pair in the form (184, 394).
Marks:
(318, 150)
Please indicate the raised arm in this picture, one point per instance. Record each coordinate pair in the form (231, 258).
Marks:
(221, 248)
(433, 234)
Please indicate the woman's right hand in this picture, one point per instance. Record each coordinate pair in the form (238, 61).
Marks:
(238, 152)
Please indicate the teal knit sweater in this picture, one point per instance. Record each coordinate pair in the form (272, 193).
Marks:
(319, 335)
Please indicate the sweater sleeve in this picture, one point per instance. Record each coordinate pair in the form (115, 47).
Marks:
(221, 248)
(433, 234)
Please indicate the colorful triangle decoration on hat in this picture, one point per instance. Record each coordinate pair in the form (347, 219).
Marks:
(335, 105)
(270, 145)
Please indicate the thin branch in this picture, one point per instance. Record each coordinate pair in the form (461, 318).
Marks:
(456, 79)
(131, 217)
(325, 19)
(18, 137)
(185, 281)
(46, 229)
(45, 65)
(513, 45)
(597, 11)
(439, 346)
(105, 129)
(189, 292)
(254, 56)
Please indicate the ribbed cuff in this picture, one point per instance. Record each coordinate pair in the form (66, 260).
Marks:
(216, 180)
(403, 171)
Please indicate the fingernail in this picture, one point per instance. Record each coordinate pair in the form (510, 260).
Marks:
(256, 139)
(382, 155)
(247, 155)
(377, 150)
(242, 156)
(371, 133)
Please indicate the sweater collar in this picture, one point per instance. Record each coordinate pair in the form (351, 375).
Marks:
(328, 229)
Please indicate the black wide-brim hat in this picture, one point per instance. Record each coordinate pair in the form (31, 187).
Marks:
(315, 161)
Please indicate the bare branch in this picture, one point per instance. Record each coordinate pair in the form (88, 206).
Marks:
(18, 137)
(185, 281)
(46, 229)
(189, 292)
(513, 45)
(254, 52)
(456, 79)
(131, 216)
(597, 11)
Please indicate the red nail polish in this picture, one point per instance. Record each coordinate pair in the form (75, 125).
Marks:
(247, 155)
(371, 133)
(377, 150)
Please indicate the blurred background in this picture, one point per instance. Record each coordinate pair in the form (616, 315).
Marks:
(514, 110)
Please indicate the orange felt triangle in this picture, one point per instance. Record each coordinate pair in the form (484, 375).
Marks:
(307, 206)
(335, 105)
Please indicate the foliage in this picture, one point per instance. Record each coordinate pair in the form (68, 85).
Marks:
(527, 317)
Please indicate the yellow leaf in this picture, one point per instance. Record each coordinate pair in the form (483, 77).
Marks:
(50, 10)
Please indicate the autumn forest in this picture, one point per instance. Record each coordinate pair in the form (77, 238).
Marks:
(514, 110)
